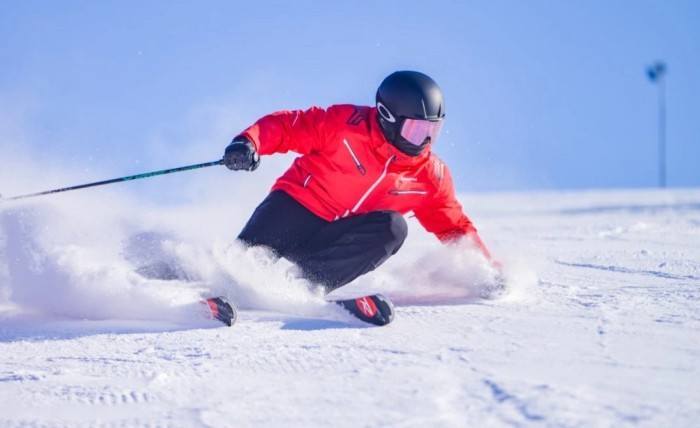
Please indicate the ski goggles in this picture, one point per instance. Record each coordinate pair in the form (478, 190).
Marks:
(415, 131)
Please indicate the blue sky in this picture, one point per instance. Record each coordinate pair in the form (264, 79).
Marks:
(539, 94)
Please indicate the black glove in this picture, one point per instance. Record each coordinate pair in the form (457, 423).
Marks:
(241, 154)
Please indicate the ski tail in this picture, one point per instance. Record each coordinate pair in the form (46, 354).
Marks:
(374, 309)
(222, 310)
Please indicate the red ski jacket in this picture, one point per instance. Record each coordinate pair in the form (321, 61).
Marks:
(348, 167)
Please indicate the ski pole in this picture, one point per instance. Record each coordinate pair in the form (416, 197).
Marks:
(118, 180)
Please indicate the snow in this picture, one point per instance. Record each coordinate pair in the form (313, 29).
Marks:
(599, 325)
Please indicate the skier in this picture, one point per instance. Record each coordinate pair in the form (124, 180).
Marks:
(337, 212)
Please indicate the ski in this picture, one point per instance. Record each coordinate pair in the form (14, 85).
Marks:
(374, 309)
(222, 310)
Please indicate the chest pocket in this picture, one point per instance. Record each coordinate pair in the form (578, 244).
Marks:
(399, 192)
(408, 186)
(361, 168)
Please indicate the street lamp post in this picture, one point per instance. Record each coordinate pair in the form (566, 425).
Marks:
(656, 73)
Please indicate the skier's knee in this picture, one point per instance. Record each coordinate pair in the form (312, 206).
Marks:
(399, 230)
(395, 231)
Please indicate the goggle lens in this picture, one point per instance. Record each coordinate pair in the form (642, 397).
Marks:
(415, 131)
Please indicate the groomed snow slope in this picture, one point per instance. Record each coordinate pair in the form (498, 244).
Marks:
(600, 325)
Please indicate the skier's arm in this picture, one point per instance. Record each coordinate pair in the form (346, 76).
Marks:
(451, 225)
(299, 131)
(442, 215)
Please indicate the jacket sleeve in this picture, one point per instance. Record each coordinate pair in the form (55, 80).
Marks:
(442, 214)
(298, 131)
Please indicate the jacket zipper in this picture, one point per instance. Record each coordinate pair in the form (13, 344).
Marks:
(371, 188)
(307, 180)
(360, 167)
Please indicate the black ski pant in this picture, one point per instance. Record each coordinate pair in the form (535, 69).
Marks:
(330, 254)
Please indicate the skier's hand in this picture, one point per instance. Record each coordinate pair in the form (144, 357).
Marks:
(241, 155)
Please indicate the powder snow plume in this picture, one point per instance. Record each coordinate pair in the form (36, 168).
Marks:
(115, 253)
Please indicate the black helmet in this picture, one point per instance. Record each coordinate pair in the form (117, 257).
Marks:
(402, 97)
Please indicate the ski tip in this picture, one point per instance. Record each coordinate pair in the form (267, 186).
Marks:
(374, 309)
(222, 310)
